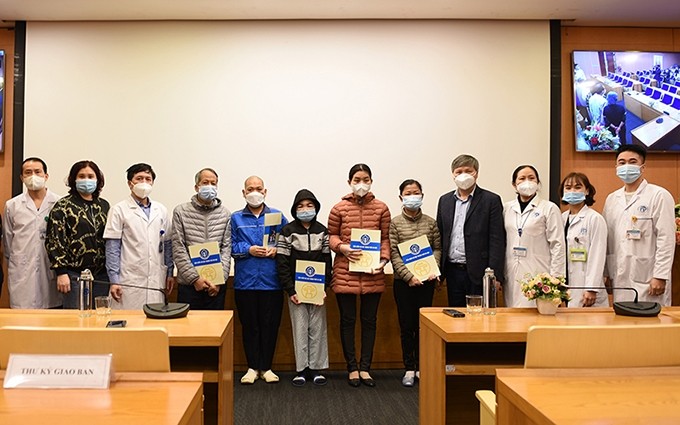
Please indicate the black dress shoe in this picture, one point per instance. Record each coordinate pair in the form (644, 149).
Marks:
(369, 382)
(354, 382)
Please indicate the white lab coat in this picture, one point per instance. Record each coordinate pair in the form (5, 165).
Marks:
(31, 283)
(633, 263)
(141, 262)
(543, 238)
(587, 230)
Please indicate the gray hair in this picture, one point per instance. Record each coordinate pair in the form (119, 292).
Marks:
(465, 161)
(197, 177)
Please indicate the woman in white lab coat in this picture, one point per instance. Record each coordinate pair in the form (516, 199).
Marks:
(586, 235)
(535, 236)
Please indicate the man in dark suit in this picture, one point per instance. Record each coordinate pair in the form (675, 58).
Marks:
(470, 220)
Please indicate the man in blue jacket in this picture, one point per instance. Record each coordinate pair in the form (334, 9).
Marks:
(257, 290)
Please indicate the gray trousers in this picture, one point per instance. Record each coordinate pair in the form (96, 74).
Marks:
(310, 336)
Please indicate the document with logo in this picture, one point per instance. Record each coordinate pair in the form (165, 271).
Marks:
(207, 260)
(271, 220)
(310, 281)
(368, 241)
(418, 258)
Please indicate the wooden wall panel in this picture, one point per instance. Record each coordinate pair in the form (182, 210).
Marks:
(662, 169)
(7, 44)
(387, 351)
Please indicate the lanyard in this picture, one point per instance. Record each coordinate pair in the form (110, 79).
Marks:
(521, 225)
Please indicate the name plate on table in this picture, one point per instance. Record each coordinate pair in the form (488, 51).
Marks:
(418, 258)
(58, 371)
(206, 258)
(310, 281)
(368, 241)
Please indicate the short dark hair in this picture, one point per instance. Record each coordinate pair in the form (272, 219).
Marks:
(408, 182)
(583, 179)
(520, 168)
(140, 168)
(75, 168)
(360, 167)
(633, 148)
(34, 159)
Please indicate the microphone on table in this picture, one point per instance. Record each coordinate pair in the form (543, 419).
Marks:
(629, 308)
(164, 310)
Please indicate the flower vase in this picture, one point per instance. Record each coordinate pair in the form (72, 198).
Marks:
(546, 307)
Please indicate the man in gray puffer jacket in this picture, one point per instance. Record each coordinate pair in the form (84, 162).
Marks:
(203, 219)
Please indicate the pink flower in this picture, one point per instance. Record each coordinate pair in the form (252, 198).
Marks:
(546, 289)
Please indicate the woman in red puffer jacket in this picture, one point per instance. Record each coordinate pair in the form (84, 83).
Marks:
(358, 210)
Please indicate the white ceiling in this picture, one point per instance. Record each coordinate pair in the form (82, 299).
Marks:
(654, 13)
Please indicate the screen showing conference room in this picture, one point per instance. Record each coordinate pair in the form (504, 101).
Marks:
(626, 97)
(296, 102)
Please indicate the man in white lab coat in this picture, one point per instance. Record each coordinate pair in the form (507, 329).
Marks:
(641, 232)
(138, 244)
(31, 283)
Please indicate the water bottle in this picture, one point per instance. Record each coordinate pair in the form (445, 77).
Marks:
(85, 295)
(489, 292)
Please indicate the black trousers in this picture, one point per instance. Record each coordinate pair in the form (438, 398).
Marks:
(200, 300)
(409, 300)
(458, 285)
(347, 303)
(260, 316)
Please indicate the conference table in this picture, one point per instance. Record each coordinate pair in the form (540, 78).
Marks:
(132, 399)
(624, 396)
(200, 342)
(452, 348)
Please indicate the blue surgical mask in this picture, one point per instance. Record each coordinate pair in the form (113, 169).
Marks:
(86, 186)
(207, 192)
(412, 202)
(306, 215)
(574, 198)
(628, 172)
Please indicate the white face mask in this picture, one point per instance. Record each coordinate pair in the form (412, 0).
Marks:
(142, 190)
(361, 189)
(34, 182)
(527, 188)
(255, 199)
(464, 181)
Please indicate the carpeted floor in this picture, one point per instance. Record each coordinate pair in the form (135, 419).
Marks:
(336, 403)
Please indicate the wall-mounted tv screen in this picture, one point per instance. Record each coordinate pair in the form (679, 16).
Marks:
(626, 98)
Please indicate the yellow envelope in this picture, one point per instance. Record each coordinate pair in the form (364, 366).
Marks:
(368, 241)
(418, 258)
(207, 260)
(310, 281)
